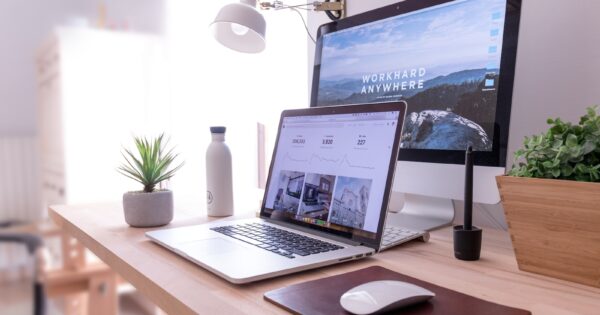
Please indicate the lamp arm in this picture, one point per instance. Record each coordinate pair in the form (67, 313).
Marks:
(328, 6)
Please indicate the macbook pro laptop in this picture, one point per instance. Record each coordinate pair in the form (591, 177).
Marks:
(325, 201)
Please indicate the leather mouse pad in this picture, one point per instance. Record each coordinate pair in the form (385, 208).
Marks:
(322, 296)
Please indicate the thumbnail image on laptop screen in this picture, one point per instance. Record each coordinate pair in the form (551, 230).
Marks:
(331, 170)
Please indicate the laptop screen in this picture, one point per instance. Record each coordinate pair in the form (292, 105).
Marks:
(331, 170)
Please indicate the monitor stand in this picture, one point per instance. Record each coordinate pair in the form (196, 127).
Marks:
(420, 212)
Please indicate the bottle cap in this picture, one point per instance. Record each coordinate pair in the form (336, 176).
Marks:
(217, 129)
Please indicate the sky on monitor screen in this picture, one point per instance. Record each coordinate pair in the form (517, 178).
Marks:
(442, 39)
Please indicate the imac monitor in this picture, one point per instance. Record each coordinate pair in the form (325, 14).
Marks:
(453, 63)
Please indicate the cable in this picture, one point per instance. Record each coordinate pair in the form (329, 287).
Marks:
(279, 5)
(304, 22)
(299, 6)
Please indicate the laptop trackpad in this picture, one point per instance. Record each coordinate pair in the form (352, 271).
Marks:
(209, 246)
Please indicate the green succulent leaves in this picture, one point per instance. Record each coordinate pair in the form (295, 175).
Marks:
(565, 151)
(152, 165)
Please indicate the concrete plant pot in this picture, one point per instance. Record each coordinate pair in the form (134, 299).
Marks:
(148, 209)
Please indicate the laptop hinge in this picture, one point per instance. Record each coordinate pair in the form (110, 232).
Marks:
(314, 232)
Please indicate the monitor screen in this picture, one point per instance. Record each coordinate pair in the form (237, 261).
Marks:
(331, 171)
(444, 60)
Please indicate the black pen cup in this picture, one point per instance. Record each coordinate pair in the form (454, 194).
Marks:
(467, 243)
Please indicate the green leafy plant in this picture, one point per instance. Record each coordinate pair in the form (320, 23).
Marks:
(565, 151)
(152, 165)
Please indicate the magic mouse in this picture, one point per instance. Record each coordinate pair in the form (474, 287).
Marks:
(382, 296)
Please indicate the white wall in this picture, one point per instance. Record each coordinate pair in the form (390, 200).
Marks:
(557, 68)
(557, 64)
(213, 85)
(24, 24)
(210, 84)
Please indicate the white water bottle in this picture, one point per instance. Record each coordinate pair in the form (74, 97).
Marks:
(219, 186)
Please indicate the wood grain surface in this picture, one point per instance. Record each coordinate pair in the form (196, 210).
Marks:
(554, 226)
(181, 287)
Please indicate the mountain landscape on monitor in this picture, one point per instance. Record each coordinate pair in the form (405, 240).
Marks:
(455, 106)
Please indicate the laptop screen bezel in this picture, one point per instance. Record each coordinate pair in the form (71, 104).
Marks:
(334, 110)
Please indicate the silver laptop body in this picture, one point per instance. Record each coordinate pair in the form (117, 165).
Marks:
(325, 201)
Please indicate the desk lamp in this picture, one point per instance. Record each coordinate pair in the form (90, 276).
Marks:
(241, 27)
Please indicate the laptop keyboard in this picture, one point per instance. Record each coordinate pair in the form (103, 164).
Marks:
(276, 240)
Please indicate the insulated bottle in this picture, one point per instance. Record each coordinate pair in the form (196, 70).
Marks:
(219, 194)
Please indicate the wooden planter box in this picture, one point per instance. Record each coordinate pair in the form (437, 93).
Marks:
(554, 226)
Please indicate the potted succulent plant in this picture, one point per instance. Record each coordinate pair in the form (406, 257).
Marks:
(551, 198)
(150, 206)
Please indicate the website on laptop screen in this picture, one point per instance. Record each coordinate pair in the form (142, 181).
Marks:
(331, 170)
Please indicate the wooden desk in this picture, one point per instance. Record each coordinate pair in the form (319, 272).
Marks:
(180, 287)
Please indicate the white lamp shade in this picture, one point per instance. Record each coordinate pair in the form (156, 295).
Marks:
(240, 27)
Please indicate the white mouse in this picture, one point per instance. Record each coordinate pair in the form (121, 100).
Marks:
(382, 296)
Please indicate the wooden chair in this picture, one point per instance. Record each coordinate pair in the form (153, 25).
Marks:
(86, 287)
(34, 244)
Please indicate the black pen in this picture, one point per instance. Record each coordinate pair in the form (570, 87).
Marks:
(468, 188)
